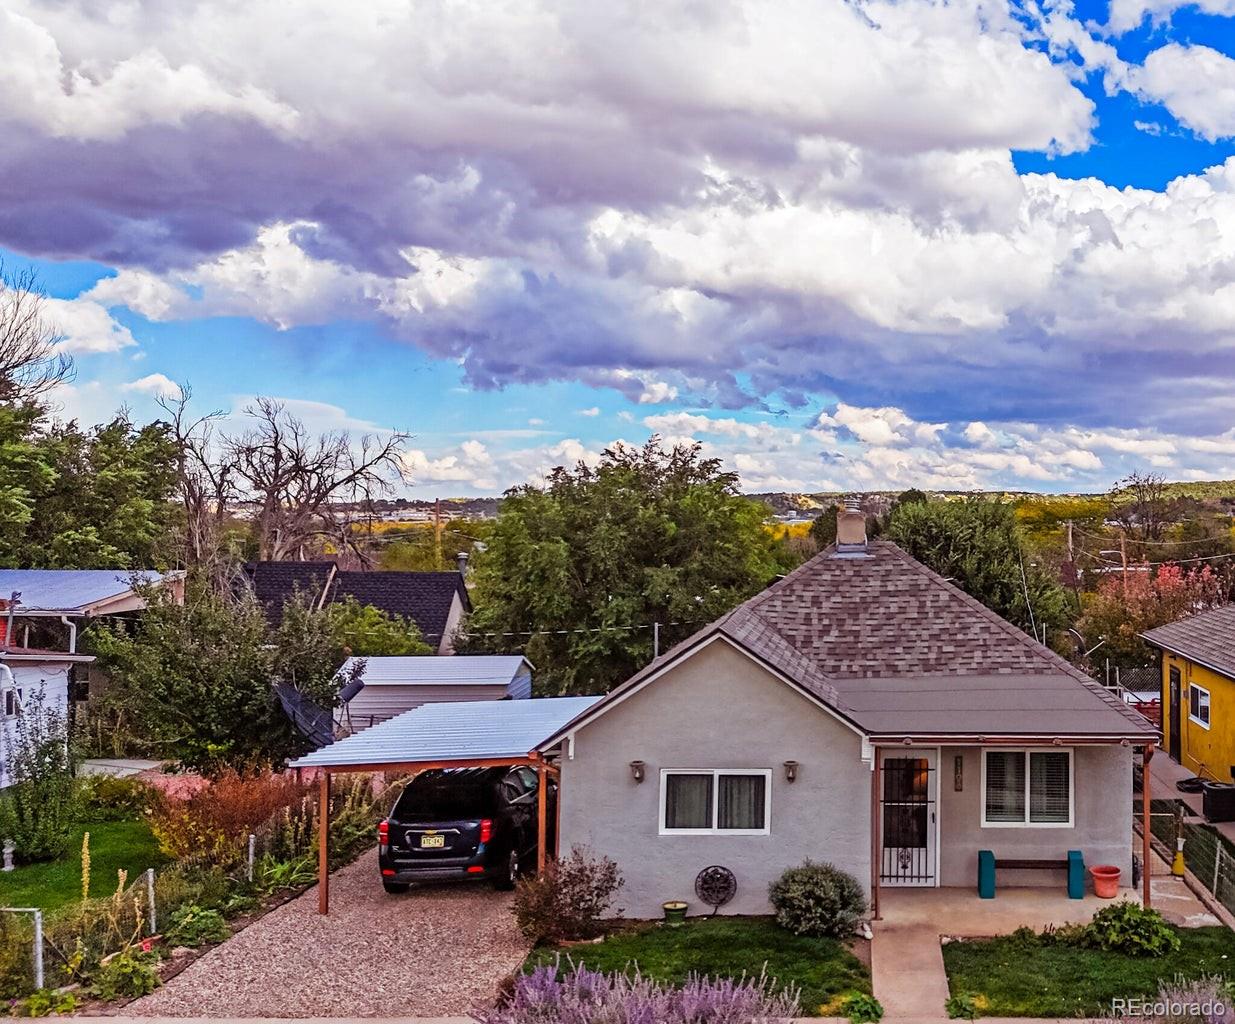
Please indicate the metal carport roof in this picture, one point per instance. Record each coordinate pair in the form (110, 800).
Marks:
(455, 734)
(484, 730)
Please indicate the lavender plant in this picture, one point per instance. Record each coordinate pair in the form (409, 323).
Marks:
(550, 996)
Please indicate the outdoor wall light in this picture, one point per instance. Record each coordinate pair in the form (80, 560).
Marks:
(636, 770)
(791, 770)
(958, 773)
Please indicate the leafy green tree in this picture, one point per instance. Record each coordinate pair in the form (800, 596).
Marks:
(83, 500)
(977, 543)
(823, 529)
(649, 535)
(196, 681)
(911, 496)
(364, 631)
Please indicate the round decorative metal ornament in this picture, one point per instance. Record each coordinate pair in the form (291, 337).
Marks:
(715, 886)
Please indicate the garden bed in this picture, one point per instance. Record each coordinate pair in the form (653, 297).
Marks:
(1008, 977)
(826, 971)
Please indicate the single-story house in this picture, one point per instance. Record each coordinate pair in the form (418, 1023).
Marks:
(391, 685)
(1198, 691)
(435, 601)
(862, 711)
(23, 671)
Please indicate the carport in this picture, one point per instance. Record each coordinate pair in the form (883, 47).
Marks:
(466, 734)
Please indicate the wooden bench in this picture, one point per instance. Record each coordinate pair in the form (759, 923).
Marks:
(1073, 864)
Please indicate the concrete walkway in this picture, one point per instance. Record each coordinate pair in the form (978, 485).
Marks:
(907, 971)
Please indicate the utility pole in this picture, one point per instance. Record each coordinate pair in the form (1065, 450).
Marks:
(437, 531)
(1123, 556)
(1071, 554)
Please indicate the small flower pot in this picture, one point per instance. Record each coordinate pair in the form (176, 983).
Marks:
(1105, 881)
(675, 913)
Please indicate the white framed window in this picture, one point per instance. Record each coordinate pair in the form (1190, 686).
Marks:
(12, 702)
(1027, 788)
(1198, 705)
(715, 801)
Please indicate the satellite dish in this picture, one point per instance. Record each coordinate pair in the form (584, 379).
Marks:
(312, 721)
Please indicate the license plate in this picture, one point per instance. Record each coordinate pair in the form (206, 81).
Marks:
(432, 842)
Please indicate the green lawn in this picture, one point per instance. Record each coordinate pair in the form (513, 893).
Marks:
(726, 947)
(1011, 979)
(113, 845)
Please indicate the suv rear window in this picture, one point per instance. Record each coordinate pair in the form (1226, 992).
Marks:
(443, 800)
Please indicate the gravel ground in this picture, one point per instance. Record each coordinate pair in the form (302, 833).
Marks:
(436, 951)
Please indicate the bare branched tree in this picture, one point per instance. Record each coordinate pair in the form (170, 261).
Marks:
(206, 481)
(30, 363)
(1141, 506)
(303, 487)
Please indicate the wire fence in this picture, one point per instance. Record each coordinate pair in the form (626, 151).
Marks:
(1208, 854)
(233, 876)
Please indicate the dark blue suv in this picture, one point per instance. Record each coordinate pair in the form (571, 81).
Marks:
(462, 823)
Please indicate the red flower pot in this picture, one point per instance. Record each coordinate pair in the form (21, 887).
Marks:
(1105, 881)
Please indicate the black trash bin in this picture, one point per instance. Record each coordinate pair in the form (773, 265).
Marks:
(1218, 801)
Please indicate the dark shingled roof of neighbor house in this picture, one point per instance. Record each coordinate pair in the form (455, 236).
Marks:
(275, 583)
(1207, 638)
(423, 597)
(900, 652)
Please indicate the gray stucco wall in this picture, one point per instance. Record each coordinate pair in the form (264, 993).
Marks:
(1102, 828)
(717, 709)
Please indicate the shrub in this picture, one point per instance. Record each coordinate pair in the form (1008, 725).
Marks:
(817, 900)
(961, 1006)
(194, 926)
(1125, 927)
(583, 996)
(46, 1002)
(861, 1008)
(107, 798)
(128, 975)
(36, 809)
(569, 899)
(215, 820)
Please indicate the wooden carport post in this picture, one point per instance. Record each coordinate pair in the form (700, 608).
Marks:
(542, 815)
(1146, 851)
(323, 843)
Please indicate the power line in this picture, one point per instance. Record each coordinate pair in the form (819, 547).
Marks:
(1158, 543)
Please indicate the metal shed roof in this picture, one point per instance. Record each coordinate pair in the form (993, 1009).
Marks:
(452, 731)
(67, 590)
(431, 669)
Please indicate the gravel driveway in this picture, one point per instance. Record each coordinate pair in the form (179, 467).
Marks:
(435, 951)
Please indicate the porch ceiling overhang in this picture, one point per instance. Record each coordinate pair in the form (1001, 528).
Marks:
(453, 732)
(1008, 706)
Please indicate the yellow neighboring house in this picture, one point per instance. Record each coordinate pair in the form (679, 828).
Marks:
(1198, 691)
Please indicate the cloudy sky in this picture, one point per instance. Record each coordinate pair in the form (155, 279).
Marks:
(845, 245)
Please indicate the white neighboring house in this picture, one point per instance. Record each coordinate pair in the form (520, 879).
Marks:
(63, 601)
(392, 685)
(24, 671)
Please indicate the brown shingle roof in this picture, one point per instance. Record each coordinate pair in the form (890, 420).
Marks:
(1208, 638)
(898, 650)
